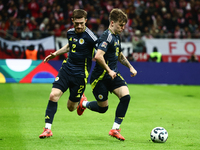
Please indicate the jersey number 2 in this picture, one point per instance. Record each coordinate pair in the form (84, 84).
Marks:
(81, 87)
(73, 48)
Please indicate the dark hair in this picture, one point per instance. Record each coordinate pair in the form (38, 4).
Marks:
(31, 47)
(79, 13)
(118, 15)
(155, 49)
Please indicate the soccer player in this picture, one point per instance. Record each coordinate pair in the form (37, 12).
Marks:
(75, 69)
(105, 76)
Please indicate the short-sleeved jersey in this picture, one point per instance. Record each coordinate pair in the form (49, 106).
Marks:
(111, 45)
(82, 46)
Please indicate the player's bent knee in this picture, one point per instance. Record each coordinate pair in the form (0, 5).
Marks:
(125, 99)
(71, 108)
(103, 109)
(53, 96)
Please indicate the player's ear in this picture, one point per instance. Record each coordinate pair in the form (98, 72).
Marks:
(112, 23)
(85, 20)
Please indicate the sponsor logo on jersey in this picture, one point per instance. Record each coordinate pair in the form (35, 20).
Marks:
(100, 96)
(104, 44)
(81, 41)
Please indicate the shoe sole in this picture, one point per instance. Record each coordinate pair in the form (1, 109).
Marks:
(116, 138)
(43, 137)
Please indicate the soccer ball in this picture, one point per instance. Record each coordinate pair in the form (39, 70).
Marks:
(159, 135)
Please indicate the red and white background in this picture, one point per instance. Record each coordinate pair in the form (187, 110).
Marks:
(173, 50)
(16, 49)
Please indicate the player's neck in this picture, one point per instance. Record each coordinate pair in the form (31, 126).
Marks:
(111, 30)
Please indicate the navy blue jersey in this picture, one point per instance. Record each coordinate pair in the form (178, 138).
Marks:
(111, 45)
(82, 47)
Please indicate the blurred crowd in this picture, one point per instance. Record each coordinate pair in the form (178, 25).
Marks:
(35, 19)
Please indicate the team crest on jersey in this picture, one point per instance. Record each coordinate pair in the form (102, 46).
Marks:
(81, 41)
(100, 96)
(104, 44)
(57, 78)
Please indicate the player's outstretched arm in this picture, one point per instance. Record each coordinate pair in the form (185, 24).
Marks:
(63, 50)
(122, 59)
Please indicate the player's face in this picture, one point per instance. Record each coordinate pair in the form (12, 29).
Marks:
(79, 24)
(118, 27)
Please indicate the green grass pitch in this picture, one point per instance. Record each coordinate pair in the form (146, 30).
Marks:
(176, 108)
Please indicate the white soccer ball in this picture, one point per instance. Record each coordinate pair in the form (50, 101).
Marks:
(159, 135)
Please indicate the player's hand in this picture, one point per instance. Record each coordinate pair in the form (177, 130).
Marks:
(112, 74)
(51, 56)
(133, 72)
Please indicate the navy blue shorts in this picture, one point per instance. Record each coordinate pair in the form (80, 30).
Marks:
(76, 85)
(102, 87)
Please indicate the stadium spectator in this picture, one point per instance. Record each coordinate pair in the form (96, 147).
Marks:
(184, 13)
(31, 53)
(100, 30)
(140, 8)
(147, 34)
(34, 8)
(105, 21)
(178, 32)
(130, 57)
(3, 30)
(43, 25)
(57, 31)
(138, 43)
(12, 11)
(192, 59)
(32, 24)
(126, 36)
(24, 13)
(26, 34)
(14, 29)
(155, 56)
(169, 23)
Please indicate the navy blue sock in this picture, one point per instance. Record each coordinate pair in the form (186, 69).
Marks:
(121, 109)
(50, 111)
(95, 107)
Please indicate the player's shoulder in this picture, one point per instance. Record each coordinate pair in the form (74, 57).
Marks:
(107, 36)
(91, 34)
(72, 30)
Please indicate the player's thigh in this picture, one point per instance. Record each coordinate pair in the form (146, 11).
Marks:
(62, 81)
(121, 91)
(55, 94)
(119, 86)
(100, 92)
(76, 87)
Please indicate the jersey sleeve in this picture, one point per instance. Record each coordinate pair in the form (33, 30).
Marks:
(104, 42)
(92, 38)
(120, 48)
